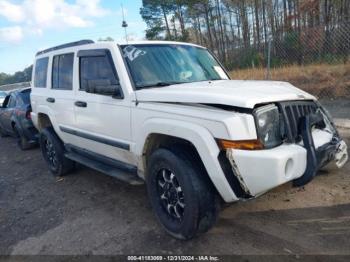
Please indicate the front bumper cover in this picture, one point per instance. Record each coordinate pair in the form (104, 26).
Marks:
(258, 171)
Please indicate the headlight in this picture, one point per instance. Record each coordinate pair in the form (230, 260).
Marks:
(267, 119)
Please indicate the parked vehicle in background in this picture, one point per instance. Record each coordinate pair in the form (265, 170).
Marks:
(2, 97)
(168, 113)
(15, 118)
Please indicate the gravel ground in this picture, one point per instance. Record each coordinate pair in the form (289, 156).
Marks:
(89, 213)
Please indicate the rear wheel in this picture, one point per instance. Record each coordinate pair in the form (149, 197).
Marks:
(181, 195)
(52, 149)
(21, 140)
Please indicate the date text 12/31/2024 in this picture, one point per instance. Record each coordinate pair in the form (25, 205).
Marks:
(173, 258)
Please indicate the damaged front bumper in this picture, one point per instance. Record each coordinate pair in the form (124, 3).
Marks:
(261, 170)
(319, 153)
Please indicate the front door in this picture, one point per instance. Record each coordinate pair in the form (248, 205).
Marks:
(102, 121)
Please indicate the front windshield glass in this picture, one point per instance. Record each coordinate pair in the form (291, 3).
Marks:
(2, 94)
(166, 64)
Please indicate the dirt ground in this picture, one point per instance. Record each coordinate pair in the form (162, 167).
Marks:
(89, 213)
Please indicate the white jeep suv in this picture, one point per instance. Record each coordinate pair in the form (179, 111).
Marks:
(168, 114)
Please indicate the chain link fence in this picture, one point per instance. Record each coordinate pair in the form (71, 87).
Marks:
(316, 60)
(15, 86)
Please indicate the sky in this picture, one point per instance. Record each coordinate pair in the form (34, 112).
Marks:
(27, 26)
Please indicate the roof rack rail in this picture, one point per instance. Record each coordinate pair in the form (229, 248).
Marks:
(77, 43)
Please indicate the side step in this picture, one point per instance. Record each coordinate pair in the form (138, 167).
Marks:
(129, 176)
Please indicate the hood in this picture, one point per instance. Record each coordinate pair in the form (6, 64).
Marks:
(238, 93)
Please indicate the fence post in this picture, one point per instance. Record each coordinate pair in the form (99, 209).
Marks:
(268, 68)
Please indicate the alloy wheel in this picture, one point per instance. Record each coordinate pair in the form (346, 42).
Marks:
(50, 153)
(171, 194)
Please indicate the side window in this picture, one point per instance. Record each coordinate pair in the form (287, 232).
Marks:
(40, 73)
(12, 102)
(62, 72)
(97, 70)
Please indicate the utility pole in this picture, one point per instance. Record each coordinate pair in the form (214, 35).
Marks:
(125, 25)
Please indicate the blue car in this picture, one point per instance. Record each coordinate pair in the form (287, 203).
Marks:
(15, 118)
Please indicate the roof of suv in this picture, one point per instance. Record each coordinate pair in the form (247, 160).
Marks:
(90, 42)
(20, 90)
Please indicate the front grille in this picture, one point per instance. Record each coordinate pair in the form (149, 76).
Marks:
(292, 112)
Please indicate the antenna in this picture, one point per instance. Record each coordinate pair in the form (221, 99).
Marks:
(125, 25)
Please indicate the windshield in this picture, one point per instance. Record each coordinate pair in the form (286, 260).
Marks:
(166, 64)
(2, 94)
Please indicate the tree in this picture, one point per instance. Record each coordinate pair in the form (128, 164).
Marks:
(107, 39)
(233, 29)
(155, 14)
(20, 76)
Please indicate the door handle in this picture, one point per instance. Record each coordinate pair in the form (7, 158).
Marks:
(80, 104)
(50, 100)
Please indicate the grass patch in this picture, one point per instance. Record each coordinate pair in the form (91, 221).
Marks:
(322, 80)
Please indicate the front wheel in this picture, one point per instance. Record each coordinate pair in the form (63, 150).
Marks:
(181, 194)
(52, 149)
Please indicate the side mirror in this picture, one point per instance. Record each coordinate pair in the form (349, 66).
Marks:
(104, 87)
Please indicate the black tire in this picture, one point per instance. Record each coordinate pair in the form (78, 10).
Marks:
(52, 149)
(21, 140)
(197, 194)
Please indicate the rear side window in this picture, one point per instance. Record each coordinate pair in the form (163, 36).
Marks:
(97, 69)
(62, 72)
(12, 102)
(26, 97)
(41, 72)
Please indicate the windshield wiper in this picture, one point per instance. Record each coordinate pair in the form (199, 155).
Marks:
(160, 84)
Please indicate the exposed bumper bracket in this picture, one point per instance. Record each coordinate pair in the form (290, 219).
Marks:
(316, 158)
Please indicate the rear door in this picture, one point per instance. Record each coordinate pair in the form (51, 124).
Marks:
(59, 97)
(6, 113)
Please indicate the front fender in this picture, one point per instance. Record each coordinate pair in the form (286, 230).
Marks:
(202, 140)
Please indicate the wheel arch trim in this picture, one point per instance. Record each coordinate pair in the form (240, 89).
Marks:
(199, 137)
(43, 110)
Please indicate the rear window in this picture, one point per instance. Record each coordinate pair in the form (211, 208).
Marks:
(26, 97)
(62, 72)
(41, 72)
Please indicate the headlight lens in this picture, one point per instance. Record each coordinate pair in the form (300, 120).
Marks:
(268, 125)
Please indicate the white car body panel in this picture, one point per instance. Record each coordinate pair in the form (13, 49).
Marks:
(220, 123)
(263, 170)
(239, 93)
(321, 137)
